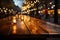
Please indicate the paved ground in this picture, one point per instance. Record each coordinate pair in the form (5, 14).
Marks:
(23, 24)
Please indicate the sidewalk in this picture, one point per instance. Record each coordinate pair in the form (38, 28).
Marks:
(54, 26)
(52, 20)
(51, 28)
(48, 28)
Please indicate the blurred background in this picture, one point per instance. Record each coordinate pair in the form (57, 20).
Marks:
(29, 16)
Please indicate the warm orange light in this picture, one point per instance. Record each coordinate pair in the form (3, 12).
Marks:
(24, 8)
(34, 30)
(14, 19)
(22, 27)
(43, 10)
(22, 18)
(16, 15)
(14, 29)
(25, 18)
(19, 16)
(58, 11)
(51, 11)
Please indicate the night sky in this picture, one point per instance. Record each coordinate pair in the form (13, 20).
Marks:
(18, 3)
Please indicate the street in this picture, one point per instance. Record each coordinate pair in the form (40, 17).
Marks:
(22, 24)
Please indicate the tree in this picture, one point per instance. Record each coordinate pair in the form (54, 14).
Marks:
(37, 14)
(56, 14)
(7, 3)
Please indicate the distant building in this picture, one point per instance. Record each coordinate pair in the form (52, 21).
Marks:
(16, 8)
